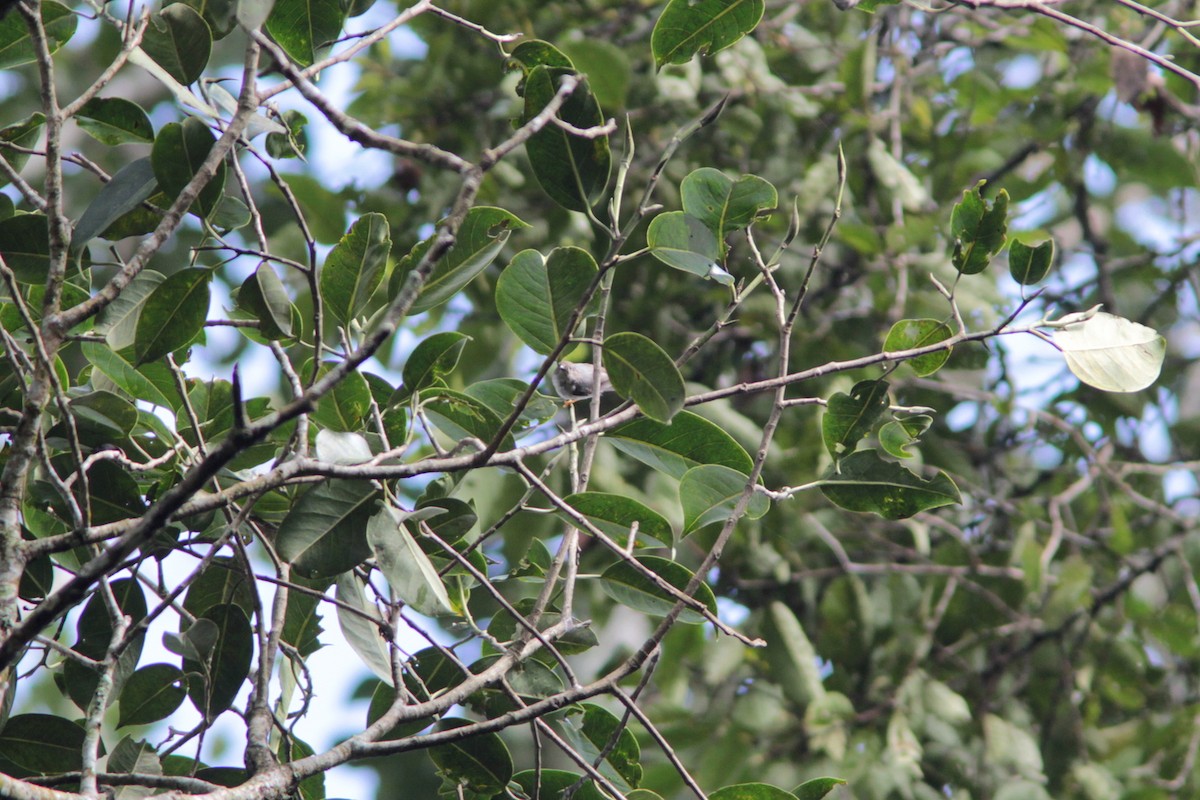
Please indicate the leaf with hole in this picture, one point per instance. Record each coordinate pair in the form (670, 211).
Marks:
(909, 334)
(863, 481)
(897, 436)
(978, 229)
(850, 417)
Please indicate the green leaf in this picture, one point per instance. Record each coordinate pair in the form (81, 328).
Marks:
(103, 417)
(978, 229)
(501, 394)
(133, 184)
(460, 416)
(599, 727)
(1029, 265)
(24, 134)
(480, 239)
(408, 570)
(688, 27)
(179, 151)
(118, 322)
(630, 586)
(1110, 353)
(898, 435)
(710, 492)
(293, 143)
(303, 27)
(25, 246)
(552, 784)
(684, 242)
(689, 441)
(347, 405)
(325, 532)
(223, 581)
(40, 744)
(725, 205)
(361, 630)
(180, 41)
(791, 656)
(264, 295)
(355, 267)
(817, 788)
(616, 515)
(850, 417)
(434, 357)
(226, 666)
(115, 120)
(862, 481)
(302, 621)
(16, 48)
(536, 296)
(133, 757)
(481, 764)
(642, 371)
(114, 494)
(152, 693)
(908, 334)
(572, 170)
(173, 315)
(606, 67)
(220, 15)
(751, 791)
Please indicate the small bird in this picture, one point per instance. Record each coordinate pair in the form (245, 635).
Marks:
(575, 381)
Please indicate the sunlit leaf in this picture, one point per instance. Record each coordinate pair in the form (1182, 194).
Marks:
(1110, 353)
(688, 27)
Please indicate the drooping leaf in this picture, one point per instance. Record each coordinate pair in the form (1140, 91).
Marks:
(791, 656)
(304, 27)
(180, 41)
(908, 334)
(223, 670)
(684, 242)
(710, 492)
(480, 238)
(862, 481)
(432, 358)
(223, 581)
(16, 47)
(325, 532)
(118, 321)
(152, 693)
(642, 371)
(355, 266)
(978, 228)
(617, 515)
(481, 764)
(850, 417)
(130, 187)
(689, 441)
(1029, 265)
(130, 757)
(173, 315)
(178, 152)
(632, 587)
(362, 629)
(536, 296)
(264, 295)
(725, 205)
(571, 169)
(115, 120)
(408, 570)
(1110, 353)
(706, 27)
(141, 384)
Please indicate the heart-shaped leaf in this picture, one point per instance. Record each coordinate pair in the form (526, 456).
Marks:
(850, 417)
(536, 296)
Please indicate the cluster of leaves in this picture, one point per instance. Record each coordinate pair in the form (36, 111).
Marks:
(409, 474)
